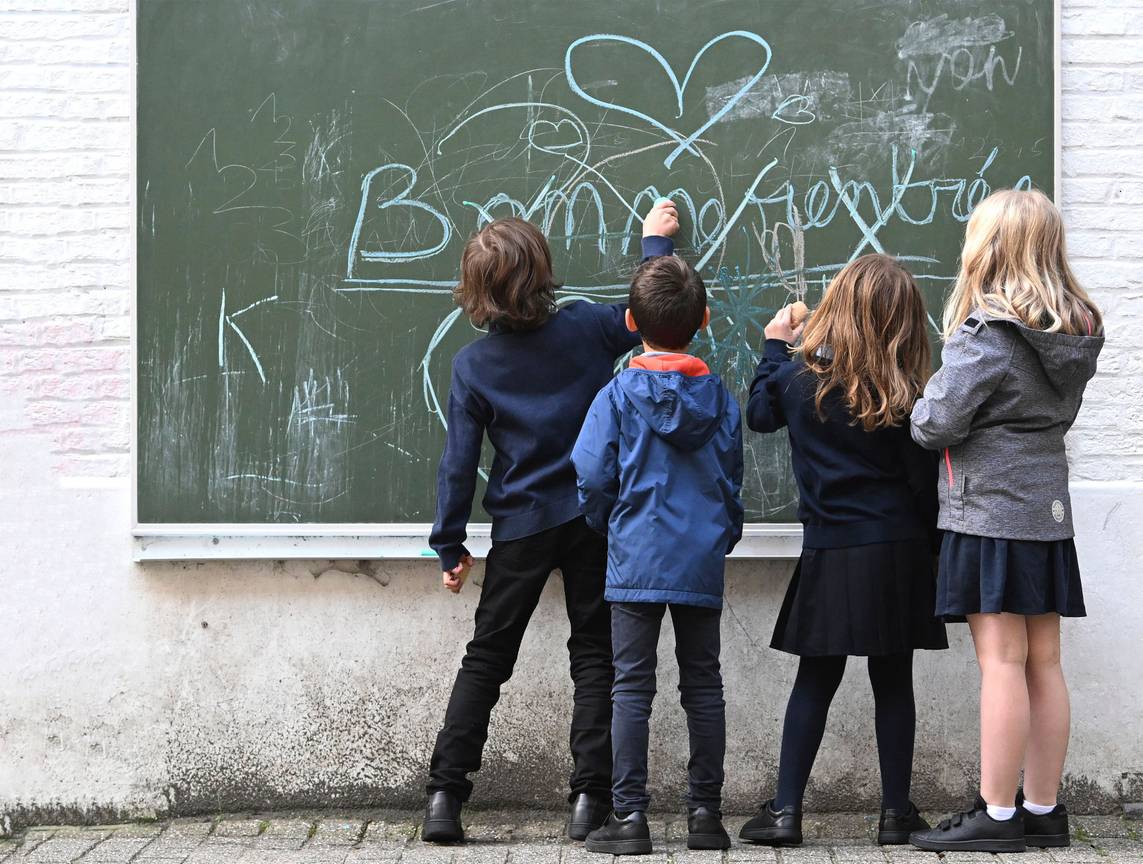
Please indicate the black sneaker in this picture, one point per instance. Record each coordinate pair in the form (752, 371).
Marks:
(1051, 829)
(774, 827)
(587, 813)
(704, 829)
(442, 819)
(896, 825)
(973, 831)
(621, 835)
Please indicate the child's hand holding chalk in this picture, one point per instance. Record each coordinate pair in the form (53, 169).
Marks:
(799, 312)
(789, 323)
(663, 220)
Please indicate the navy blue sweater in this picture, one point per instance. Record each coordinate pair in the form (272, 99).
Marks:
(855, 487)
(530, 391)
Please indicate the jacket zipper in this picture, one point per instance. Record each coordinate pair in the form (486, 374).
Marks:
(948, 466)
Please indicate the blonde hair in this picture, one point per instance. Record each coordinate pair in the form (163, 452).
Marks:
(1014, 266)
(868, 339)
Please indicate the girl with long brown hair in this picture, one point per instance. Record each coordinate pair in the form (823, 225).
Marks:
(864, 583)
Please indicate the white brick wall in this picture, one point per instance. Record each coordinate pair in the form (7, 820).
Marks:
(1102, 197)
(65, 228)
(111, 677)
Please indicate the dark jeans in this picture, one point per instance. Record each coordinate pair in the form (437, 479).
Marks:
(514, 576)
(635, 639)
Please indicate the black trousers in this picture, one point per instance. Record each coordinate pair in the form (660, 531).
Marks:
(514, 575)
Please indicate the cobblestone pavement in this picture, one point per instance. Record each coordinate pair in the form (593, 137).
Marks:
(499, 837)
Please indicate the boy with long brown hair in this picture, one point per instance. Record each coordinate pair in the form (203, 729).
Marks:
(527, 384)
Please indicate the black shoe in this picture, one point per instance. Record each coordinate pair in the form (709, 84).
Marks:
(621, 835)
(705, 831)
(1051, 829)
(774, 827)
(896, 825)
(973, 831)
(587, 814)
(442, 819)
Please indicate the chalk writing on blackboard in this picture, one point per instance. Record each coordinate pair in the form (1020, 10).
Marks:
(299, 242)
(842, 193)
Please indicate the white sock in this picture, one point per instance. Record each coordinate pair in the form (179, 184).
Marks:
(1039, 809)
(1001, 814)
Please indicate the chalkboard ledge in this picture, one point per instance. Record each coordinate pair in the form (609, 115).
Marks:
(368, 541)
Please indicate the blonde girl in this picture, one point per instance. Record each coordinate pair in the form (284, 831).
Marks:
(1021, 342)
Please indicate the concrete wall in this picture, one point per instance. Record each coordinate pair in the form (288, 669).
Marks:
(128, 690)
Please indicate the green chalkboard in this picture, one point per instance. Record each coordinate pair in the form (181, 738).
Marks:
(308, 171)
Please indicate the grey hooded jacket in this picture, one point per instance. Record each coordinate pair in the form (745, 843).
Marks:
(999, 407)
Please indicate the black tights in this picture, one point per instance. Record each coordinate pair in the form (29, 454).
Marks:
(817, 681)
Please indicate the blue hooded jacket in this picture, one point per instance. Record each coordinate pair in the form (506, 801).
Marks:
(659, 468)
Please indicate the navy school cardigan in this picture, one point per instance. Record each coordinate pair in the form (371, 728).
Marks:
(854, 487)
(529, 391)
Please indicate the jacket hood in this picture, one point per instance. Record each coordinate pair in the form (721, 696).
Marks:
(683, 409)
(1068, 361)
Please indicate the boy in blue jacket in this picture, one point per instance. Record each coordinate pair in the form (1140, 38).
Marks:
(659, 466)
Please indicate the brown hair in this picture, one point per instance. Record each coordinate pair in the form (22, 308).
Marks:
(867, 339)
(668, 302)
(506, 276)
(1014, 265)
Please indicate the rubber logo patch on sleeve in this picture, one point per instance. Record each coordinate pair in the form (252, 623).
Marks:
(972, 325)
(1058, 510)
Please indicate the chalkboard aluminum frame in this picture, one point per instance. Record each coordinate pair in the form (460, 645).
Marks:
(371, 541)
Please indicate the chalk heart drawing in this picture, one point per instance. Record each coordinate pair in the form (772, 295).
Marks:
(685, 142)
(545, 135)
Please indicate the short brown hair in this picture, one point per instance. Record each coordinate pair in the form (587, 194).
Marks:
(668, 301)
(868, 340)
(506, 276)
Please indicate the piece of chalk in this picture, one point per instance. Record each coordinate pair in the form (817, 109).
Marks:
(659, 201)
(428, 553)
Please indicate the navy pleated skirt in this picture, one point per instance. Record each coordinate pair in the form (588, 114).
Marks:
(861, 601)
(1025, 577)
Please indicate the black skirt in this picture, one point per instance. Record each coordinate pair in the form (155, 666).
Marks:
(1025, 577)
(864, 601)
